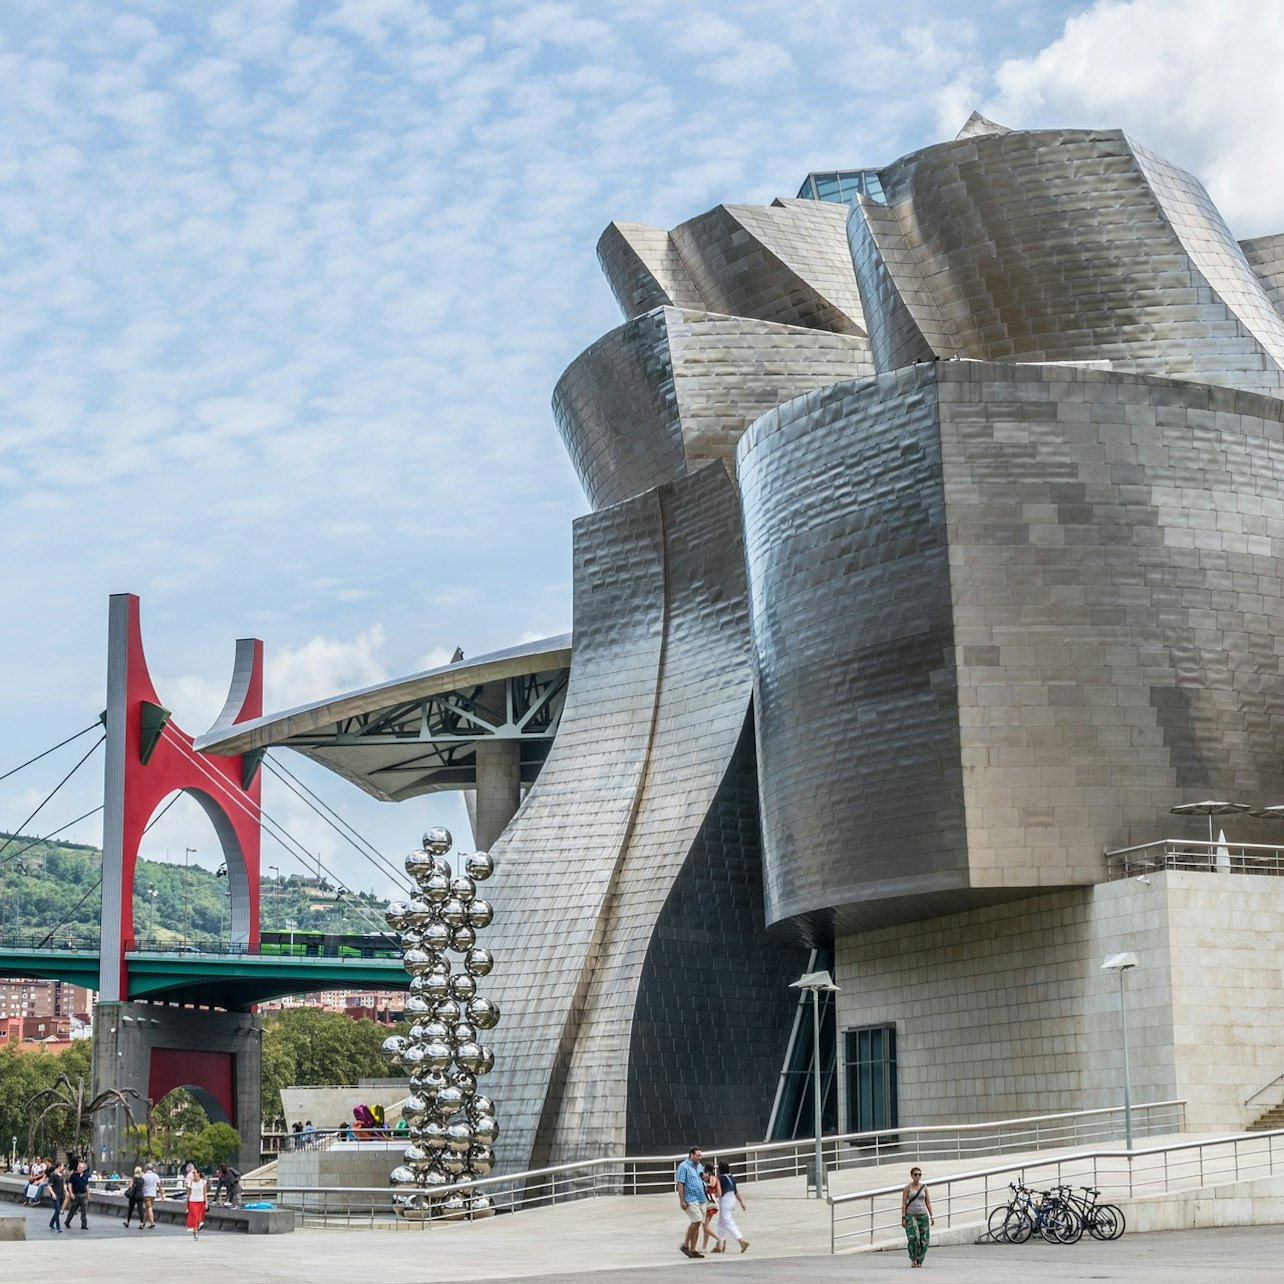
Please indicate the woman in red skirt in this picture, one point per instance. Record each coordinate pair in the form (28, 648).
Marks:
(195, 1201)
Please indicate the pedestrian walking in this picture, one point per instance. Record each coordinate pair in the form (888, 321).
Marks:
(151, 1189)
(689, 1181)
(916, 1216)
(195, 1182)
(55, 1181)
(710, 1178)
(134, 1193)
(728, 1197)
(79, 1196)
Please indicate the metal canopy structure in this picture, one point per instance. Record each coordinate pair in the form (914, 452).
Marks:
(419, 735)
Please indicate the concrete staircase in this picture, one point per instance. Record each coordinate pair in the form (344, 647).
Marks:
(1268, 1120)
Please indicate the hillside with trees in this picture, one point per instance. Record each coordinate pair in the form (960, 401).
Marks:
(56, 887)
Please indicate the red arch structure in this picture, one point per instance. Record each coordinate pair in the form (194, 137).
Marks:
(148, 758)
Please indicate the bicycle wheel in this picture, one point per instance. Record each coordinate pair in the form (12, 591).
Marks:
(1099, 1222)
(1017, 1227)
(1117, 1213)
(997, 1219)
(1059, 1226)
(1070, 1227)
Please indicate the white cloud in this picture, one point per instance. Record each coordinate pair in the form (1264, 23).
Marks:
(1197, 83)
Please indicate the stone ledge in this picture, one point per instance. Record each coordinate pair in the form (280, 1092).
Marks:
(245, 1221)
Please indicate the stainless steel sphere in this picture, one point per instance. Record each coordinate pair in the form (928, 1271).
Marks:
(436, 983)
(481, 1159)
(429, 1084)
(462, 1032)
(437, 840)
(419, 865)
(463, 888)
(459, 1138)
(419, 911)
(463, 987)
(397, 915)
(433, 1031)
(394, 1047)
(462, 939)
(480, 914)
(433, 1179)
(487, 1060)
(420, 961)
(485, 1130)
(434, 1056)
(450, 1098)
(466, 1082)
(468, 1056)
(479, 866)
(419, 1005)
(433, 1135)
(454, 913)
(413, 1108)
(415, 1154)
(453, 1164)
(478, 961)
(436, 888)
(480, 1105)
(483, 1013)
(437, 936)
(447, 1010)
(414, 1056)
(402, 1176)
(481, 1206)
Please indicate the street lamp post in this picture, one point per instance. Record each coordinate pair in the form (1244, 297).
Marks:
(817, 982)
(187, 851)
(1120, 963)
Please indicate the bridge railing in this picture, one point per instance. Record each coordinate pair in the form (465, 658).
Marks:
(319, 946)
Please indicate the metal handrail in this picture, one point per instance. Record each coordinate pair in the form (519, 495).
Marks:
(1093, 1164)
(643, 1174)
(1278, 1078)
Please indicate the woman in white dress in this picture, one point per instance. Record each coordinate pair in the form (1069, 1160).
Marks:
(728, 1198)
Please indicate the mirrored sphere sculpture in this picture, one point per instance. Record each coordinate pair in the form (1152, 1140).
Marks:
(451, 1127)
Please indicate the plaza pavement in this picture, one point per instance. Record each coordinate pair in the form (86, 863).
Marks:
(633, 1240)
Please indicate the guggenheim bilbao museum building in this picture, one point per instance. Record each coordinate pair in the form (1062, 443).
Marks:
(936, 555)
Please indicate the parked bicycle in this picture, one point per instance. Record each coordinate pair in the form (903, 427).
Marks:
(1023, 1214)
(1101, 1221)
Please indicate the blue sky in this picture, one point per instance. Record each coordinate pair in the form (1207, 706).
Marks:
(285, 288)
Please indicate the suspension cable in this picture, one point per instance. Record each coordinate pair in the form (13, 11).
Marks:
(289, 842)
(14, 836)
(383, 866)
(53, 930)
(325, 806)
(53, 833)
(47, 752)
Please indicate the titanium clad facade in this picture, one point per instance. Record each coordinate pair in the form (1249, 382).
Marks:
(671, 391)
(1062, 245)
(1004, 617)
(636, 852)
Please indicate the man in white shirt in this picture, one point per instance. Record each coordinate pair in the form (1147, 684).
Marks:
(151, 1189)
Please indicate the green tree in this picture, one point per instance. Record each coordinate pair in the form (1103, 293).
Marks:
(306, 1046)
(213, 1145)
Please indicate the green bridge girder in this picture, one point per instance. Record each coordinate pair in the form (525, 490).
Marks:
(231, 981)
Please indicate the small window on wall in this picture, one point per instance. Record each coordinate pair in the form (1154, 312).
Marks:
(870, 1055)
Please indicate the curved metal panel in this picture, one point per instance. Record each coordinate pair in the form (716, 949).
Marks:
(672, 391)
(659, 694)
(1004, 617)
(644, 269)
(1265, 255)
(1064, 245)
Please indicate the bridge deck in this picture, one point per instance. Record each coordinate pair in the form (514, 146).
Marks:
(232, 981)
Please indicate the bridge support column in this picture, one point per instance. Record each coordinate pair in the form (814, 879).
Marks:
(216, 1056)
(499, 789)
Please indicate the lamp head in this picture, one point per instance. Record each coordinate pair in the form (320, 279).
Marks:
(1119, 963)
(820, 982)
